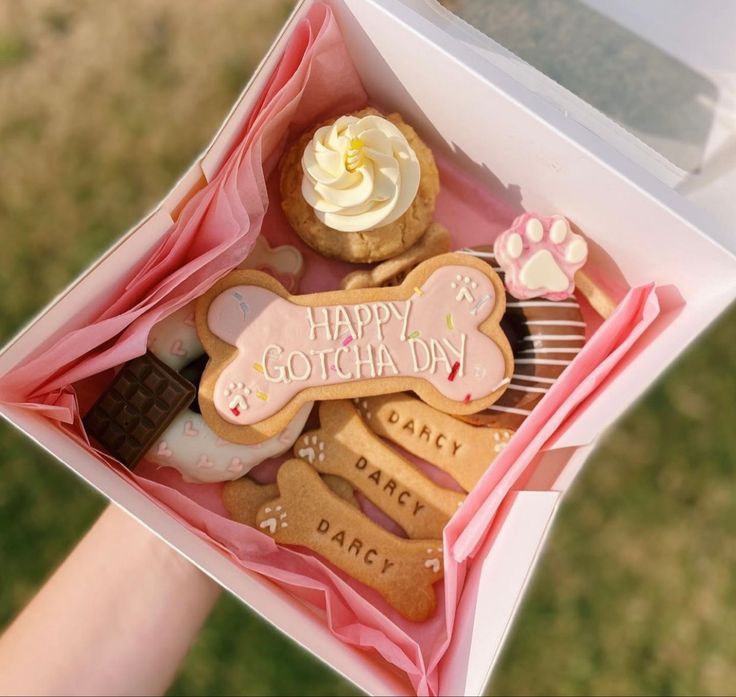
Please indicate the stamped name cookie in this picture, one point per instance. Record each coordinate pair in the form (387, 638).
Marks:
(345, 446)
(307, 513)
(437, 334)
(461, 450)
(544, 258)
(244, 497)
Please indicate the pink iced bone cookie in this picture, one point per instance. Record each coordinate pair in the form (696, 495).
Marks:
(437, 334)
(540, 257)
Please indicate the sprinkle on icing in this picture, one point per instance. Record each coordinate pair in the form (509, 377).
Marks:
(296, 346)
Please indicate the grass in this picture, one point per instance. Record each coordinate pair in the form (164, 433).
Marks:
(102, 106)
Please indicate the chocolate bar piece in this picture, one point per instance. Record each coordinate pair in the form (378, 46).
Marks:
(136, 408)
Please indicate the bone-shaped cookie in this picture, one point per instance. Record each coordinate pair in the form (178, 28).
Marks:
(244, 497)
(392, 271)
(345, 446)
(436, 334)
(309, 514)
(461, 450)
(284, 262)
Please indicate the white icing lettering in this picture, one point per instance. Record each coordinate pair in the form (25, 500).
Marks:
(384, 359)
(361, 322)
(360, 362)
(438, 355)
(307, 372)
(381, 318)
(402, 318)
(338, 369)
(279, 374)
(322, 360)
(457, 353)
(414, 344)
(342, 324)
(324, 324)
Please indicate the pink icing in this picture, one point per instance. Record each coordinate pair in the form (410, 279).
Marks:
(540, 256)
(284, 348)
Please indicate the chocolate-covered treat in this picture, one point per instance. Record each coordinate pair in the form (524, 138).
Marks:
(136, 408)
(545, 336)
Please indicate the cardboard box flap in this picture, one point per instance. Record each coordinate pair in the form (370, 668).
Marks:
(544, 90)
(701, 40)
(659, 97)
(494, 588)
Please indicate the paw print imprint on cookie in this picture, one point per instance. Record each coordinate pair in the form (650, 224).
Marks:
(276, 521)
(434, 563)
(314, 448)
(362, 404)
(540, 257)
(501, 440)
(464, 287)
(238, 393)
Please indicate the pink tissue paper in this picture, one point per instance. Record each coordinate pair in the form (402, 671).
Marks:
(216, 230)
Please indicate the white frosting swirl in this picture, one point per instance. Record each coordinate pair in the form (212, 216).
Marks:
(359, 173)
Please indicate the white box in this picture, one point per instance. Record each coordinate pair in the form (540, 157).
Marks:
(484, 111)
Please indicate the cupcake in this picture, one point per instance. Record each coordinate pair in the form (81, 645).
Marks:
(360, 188)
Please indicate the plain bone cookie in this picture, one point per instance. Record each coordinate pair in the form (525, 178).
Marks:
(461, 450)
(436, 334)
(346, 447)
(244, 497)
(392, 271)
(308, 514)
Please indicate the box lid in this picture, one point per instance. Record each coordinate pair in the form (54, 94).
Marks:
(658, 92)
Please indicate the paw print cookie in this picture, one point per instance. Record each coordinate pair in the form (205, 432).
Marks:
(540, 257)
(545, 336)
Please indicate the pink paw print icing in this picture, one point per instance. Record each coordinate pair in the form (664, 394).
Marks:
(540, 256)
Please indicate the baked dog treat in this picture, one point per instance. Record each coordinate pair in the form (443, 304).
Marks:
(308, 514)
(243, 498)
(188, 444)
(436, 334)
(544, 258)
(359, 188)
(344, 446)
(434, 242)
(546, 336)
(285, 262)
(137, 407)
(461, 450)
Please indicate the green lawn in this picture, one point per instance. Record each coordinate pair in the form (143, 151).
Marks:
(102, 106)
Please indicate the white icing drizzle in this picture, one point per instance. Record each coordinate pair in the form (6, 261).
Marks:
(534, 378)
(551, 350)
(554, 337)
(542, 303)
(523, 388)
(540, 361)
(556, 322)
(510, 410)
(476, 253)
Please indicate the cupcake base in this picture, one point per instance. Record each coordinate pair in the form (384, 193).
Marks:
(372, 245)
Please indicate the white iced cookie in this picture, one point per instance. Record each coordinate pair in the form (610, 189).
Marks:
(359, 173)
(192, 447)
(188, 444)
